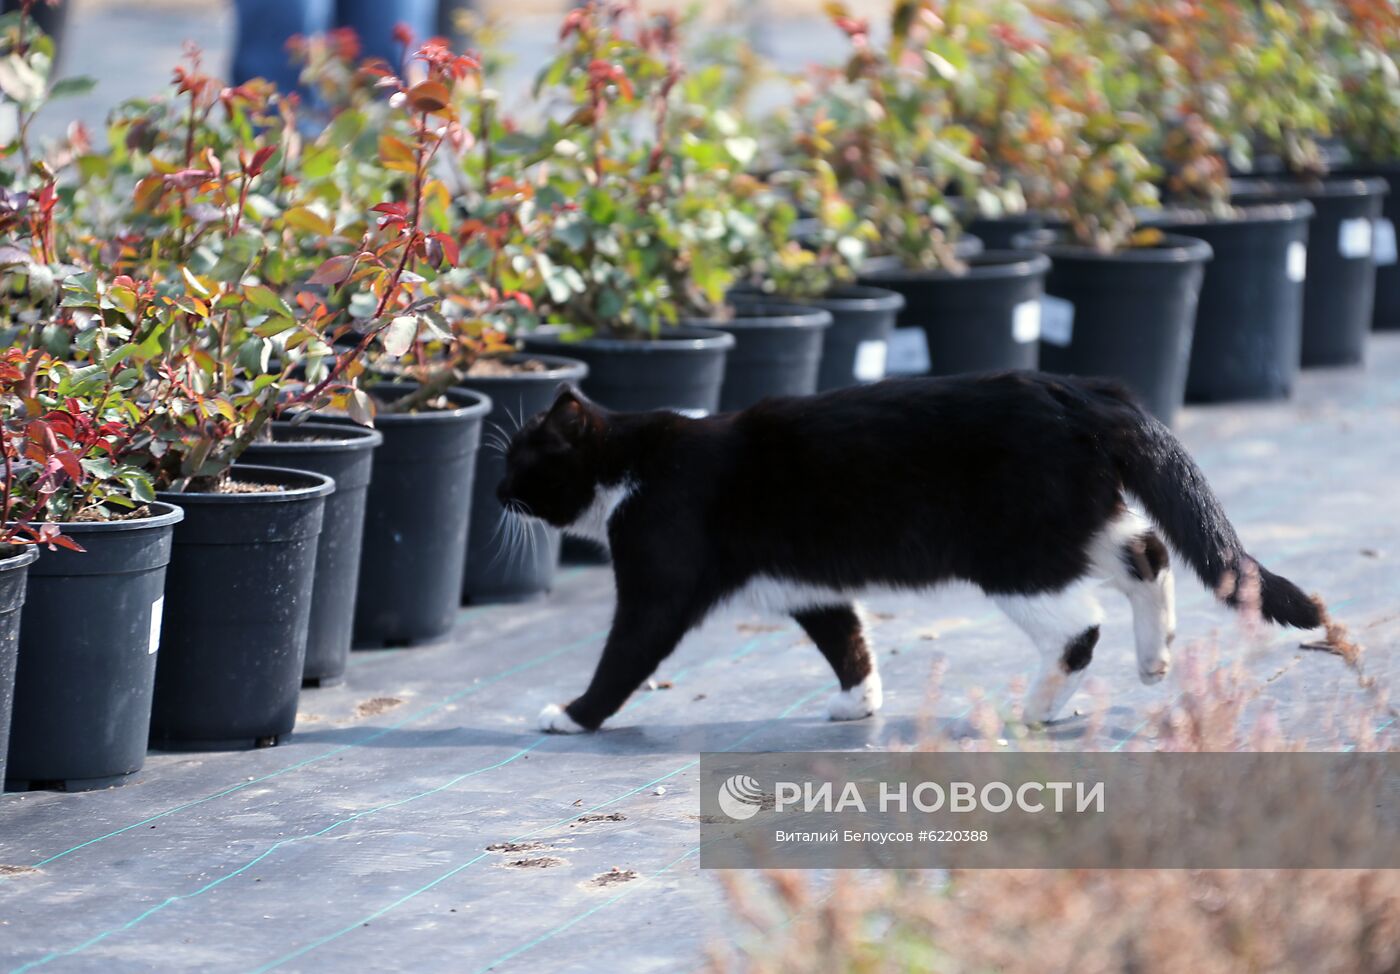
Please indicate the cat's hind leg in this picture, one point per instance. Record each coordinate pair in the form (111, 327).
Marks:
(840, 635)
(1132, 558)
(1064, 626)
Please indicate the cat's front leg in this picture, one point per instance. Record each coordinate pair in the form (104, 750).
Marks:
(641, 637)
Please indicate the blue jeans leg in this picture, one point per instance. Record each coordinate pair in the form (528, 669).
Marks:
(264, 27)
(374, 21)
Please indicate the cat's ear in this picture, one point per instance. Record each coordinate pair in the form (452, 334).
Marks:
(572, 414)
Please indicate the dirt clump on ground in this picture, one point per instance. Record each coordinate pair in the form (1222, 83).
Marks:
(376, 705)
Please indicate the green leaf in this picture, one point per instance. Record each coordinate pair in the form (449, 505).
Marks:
(66, 87)
(264, 298)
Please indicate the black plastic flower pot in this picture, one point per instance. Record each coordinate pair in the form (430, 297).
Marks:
(237, 609)
(1249, 324)
(346, 455)
(682, 368)
(856, 346)
(87, 655)
(417, 519)
(1126, 315)
(777, 351)
(1339, 295)
(985, 318)
(1386, 316)
(502, 565)
(1000, 232)
(14, 567)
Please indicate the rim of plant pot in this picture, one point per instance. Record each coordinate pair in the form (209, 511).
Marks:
(1329, 186)
(769, 314)
(988, 265)
(169, 514)
(684, 337)
(320, 437)
(469, 404)
(295, 485)
(560, 368)
(26, 556)
(965, 247)
(1364, 168)
(1171, 248)
(842, 299)
(1282, 211)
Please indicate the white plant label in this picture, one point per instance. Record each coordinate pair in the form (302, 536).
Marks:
(1354, 238)
(871, 357)
(1385, 243)
(157, 613)
(1025, 321)
(1056, 321)
(692, 413)
(1297, 261)
(908, 352)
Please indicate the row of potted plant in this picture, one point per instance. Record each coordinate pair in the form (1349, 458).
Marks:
(256, 339)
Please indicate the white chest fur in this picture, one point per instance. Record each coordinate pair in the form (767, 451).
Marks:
(593, 522)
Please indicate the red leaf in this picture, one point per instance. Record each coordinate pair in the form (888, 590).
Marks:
(260, 159)
(333, 271)
(449, 247)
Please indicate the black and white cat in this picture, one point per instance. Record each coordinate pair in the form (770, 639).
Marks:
(1015, 482)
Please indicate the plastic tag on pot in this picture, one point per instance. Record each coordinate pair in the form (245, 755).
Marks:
(1025, 321)
(1385, 243)
(1297, 261)
(908, 352)
(157, 614)
(1056, 320)
(871, 357)
(692, 413)
(1354, 238)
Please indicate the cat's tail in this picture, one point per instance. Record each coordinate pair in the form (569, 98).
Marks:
(1156, 468)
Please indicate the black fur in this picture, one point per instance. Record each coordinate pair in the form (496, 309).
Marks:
(1146, 557)
(1080, 651)
(1000, 480)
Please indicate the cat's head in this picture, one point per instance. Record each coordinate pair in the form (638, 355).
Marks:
(552, 460)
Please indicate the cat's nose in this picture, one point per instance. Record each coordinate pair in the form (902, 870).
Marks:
(503, 491)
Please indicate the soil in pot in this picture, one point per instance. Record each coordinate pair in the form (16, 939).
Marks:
(1126, 315)
(504, 564)
(1386, 316)
(1249, 325)
(346, 455)
(417, 518)
(14, 569)
(1339, 295)
(777, 351)
(87, 654)
(983, 319)
(237, 610)
(681, 368)
(855, 348)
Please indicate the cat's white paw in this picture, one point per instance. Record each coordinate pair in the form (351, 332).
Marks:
(1152, 671)
(554, 719)
(859, 701)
